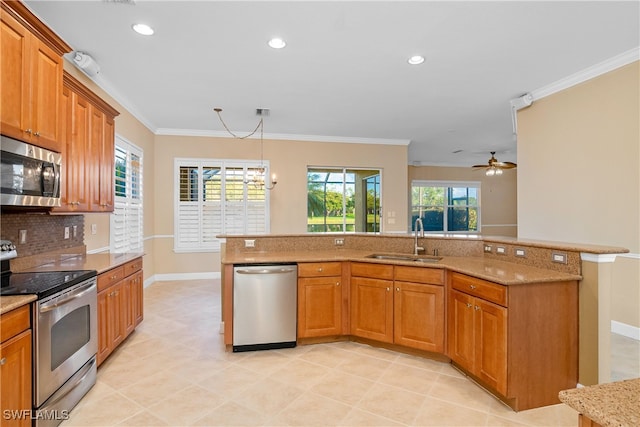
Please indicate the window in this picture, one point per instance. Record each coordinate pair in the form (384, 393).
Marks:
(126, 219)
(446, 206)
(212, 198)
(343, 200)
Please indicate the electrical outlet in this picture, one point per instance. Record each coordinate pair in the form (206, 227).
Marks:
(487, 248)
(339, 242)
(94, 228)
(500, 250)
(23, 237)
(250, 243)
(75, 231)
(559, 257)
(66, 232)
(520, 252)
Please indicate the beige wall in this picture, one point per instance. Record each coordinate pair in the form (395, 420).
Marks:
(579, 174)
(498, 195)
(289, 160)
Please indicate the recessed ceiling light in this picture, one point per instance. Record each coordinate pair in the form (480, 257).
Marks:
(277, 43)
(415, 60)
(143, 29)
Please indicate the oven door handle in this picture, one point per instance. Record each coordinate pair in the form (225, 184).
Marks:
(76, 294)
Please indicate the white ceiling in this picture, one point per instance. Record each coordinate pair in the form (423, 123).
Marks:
(343, 75)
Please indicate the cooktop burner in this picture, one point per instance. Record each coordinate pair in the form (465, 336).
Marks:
(42, 284)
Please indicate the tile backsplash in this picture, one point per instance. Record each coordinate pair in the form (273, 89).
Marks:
(44, 233)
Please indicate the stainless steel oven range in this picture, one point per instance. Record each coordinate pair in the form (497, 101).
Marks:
(65, 337)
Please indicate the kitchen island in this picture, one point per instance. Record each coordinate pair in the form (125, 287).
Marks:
(502, 311)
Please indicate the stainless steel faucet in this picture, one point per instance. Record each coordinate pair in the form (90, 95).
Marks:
(418, 225)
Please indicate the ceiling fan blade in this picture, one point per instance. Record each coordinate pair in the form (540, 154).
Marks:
(480, 166)
(505, 165)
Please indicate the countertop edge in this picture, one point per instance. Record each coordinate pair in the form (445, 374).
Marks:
(11, 302)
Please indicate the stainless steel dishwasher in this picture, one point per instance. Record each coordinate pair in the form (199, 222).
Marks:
(264, 306)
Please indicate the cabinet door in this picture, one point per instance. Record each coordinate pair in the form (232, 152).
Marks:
(15, 107)
(419, 316)
(460, 324)
(138, 298)
(93, 157)
(104, 341)
(319, 306)
(106, 165)
(128, 304)
(491, 344)
(117, 315)
(46, 86)
(372, 309)
(15, 379)
(77, 163)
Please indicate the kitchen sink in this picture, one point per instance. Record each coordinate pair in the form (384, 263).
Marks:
(405, 257)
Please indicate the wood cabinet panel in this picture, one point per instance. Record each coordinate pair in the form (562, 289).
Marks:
(318, 269)
(14, 322)
(434, 276)
(480, 288)
(15, 378)
(120, 305)
(372, 308)
(31, 78)
(319, 306)
(375, 271)
(419, 316)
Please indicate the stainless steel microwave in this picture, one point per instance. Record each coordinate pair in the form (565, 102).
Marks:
(30, 175)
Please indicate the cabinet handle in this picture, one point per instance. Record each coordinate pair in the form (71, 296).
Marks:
(337, 283)
(115, 276)
(469, 305)
(320, 270)
(388, 289)
(28, 131)
(397, 289)
(472, 286)
(477, 308)
(3, 361)
(36, 133)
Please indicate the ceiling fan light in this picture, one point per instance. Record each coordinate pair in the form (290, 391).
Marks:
(490, 172)
(498, 171)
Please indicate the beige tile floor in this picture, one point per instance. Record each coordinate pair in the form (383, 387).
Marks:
(625, 358)
(173, 370)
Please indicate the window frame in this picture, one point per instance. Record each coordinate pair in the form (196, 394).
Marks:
(129, 205)
(360, 204)
(446, 206)
(213, 244)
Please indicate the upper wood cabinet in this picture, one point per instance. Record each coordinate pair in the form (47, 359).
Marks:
(30, 77)
(88, 135)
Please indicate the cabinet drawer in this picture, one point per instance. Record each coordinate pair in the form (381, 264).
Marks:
(375, 271)
(133, 266)
(434, 276)
(480, 288)
(14, 322)
(319, 269)
(110, 277)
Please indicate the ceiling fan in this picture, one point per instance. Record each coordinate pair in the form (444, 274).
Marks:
(494, 167)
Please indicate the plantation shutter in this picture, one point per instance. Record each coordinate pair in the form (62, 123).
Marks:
(126, 219)
(214, 199)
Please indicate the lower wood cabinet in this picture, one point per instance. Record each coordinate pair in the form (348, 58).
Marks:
(15, 367)
(120, 305)
(520, 341)
(398, 304)
(320, 296)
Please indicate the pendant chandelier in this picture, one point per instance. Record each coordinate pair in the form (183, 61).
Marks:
(259, 177)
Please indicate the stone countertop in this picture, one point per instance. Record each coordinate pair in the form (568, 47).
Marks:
(100, 262)
(610, 404)
(563, 246)
(505, 273)
(11, 302)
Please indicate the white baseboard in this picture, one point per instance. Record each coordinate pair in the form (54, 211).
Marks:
(625, 330)
(181, 276)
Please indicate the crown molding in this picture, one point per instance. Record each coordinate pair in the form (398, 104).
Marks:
(284, 137)
(589, 73)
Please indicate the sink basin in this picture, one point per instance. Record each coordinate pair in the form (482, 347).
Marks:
(405, 257)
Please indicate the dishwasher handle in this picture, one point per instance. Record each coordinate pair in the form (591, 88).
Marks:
(266, 270)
